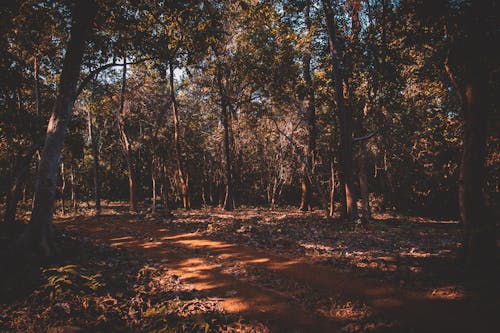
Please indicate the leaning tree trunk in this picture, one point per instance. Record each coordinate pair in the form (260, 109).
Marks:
(40, 228)
(308, 103)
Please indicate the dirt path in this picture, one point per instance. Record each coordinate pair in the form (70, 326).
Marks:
(212, 266)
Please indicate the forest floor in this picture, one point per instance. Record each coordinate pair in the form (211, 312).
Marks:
(251, 270)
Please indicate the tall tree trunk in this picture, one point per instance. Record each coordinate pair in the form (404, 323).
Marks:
(308, 104)
(181, 170)
(479, 245)
(341, 88)
(479, 242)
(127, 148)
(228, 199)
(39, 231)
(94, 141)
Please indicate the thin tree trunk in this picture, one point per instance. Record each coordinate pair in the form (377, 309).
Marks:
(228, 199)
(363, 184)
(308, 103)
(332, 188)
(181, 171)
(126, 142)
(94, 141)
(73, 190)
(165, 185)
(37, 91)
(63, 189)
(40, 229)
(153, 185)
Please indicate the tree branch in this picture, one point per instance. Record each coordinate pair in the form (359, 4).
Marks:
(98, 70)
(453, 79)
(366, 137)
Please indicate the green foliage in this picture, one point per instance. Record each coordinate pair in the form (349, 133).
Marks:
(70, 279)
(398, 89)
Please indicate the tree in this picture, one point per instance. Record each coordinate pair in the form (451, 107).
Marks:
(467, 66)
(308, 105)
(341, 91)
(39, 231)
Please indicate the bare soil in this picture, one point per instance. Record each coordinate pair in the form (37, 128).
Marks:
(288, 271)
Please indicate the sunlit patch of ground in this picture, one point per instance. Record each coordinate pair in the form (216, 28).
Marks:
(262, 249)
(101, 289)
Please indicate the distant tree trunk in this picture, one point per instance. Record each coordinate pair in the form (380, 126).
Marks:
(94, 141)
(181, 170)
(63, 189)
(308, 103)
(39, 231)
(331, 212)
(73, 190)
(153, 184)
(21, 171)
(37, 90)
(363, 184)
(228, 199)
(362, 166)
(341, 88)
(165, 186)
(127, 148)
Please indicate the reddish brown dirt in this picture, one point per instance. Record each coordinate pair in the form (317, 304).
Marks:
(188, 256)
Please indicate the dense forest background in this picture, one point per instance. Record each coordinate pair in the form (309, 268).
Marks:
(249, 165)
(315, 104)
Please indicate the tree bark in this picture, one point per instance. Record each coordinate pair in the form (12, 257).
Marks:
(479, 245)
(63, 189)
(308, 104)
(40, 228)
(228, 199)
(154, 169)
(21, 171)
(127, 148)
(479, 236)
(164, 192)
(73, 190)
(181, 170)
(94, 141)
(363, 184)
(331, 211)
(341, 93)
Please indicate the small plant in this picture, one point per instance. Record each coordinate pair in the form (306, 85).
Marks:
(68, 279)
